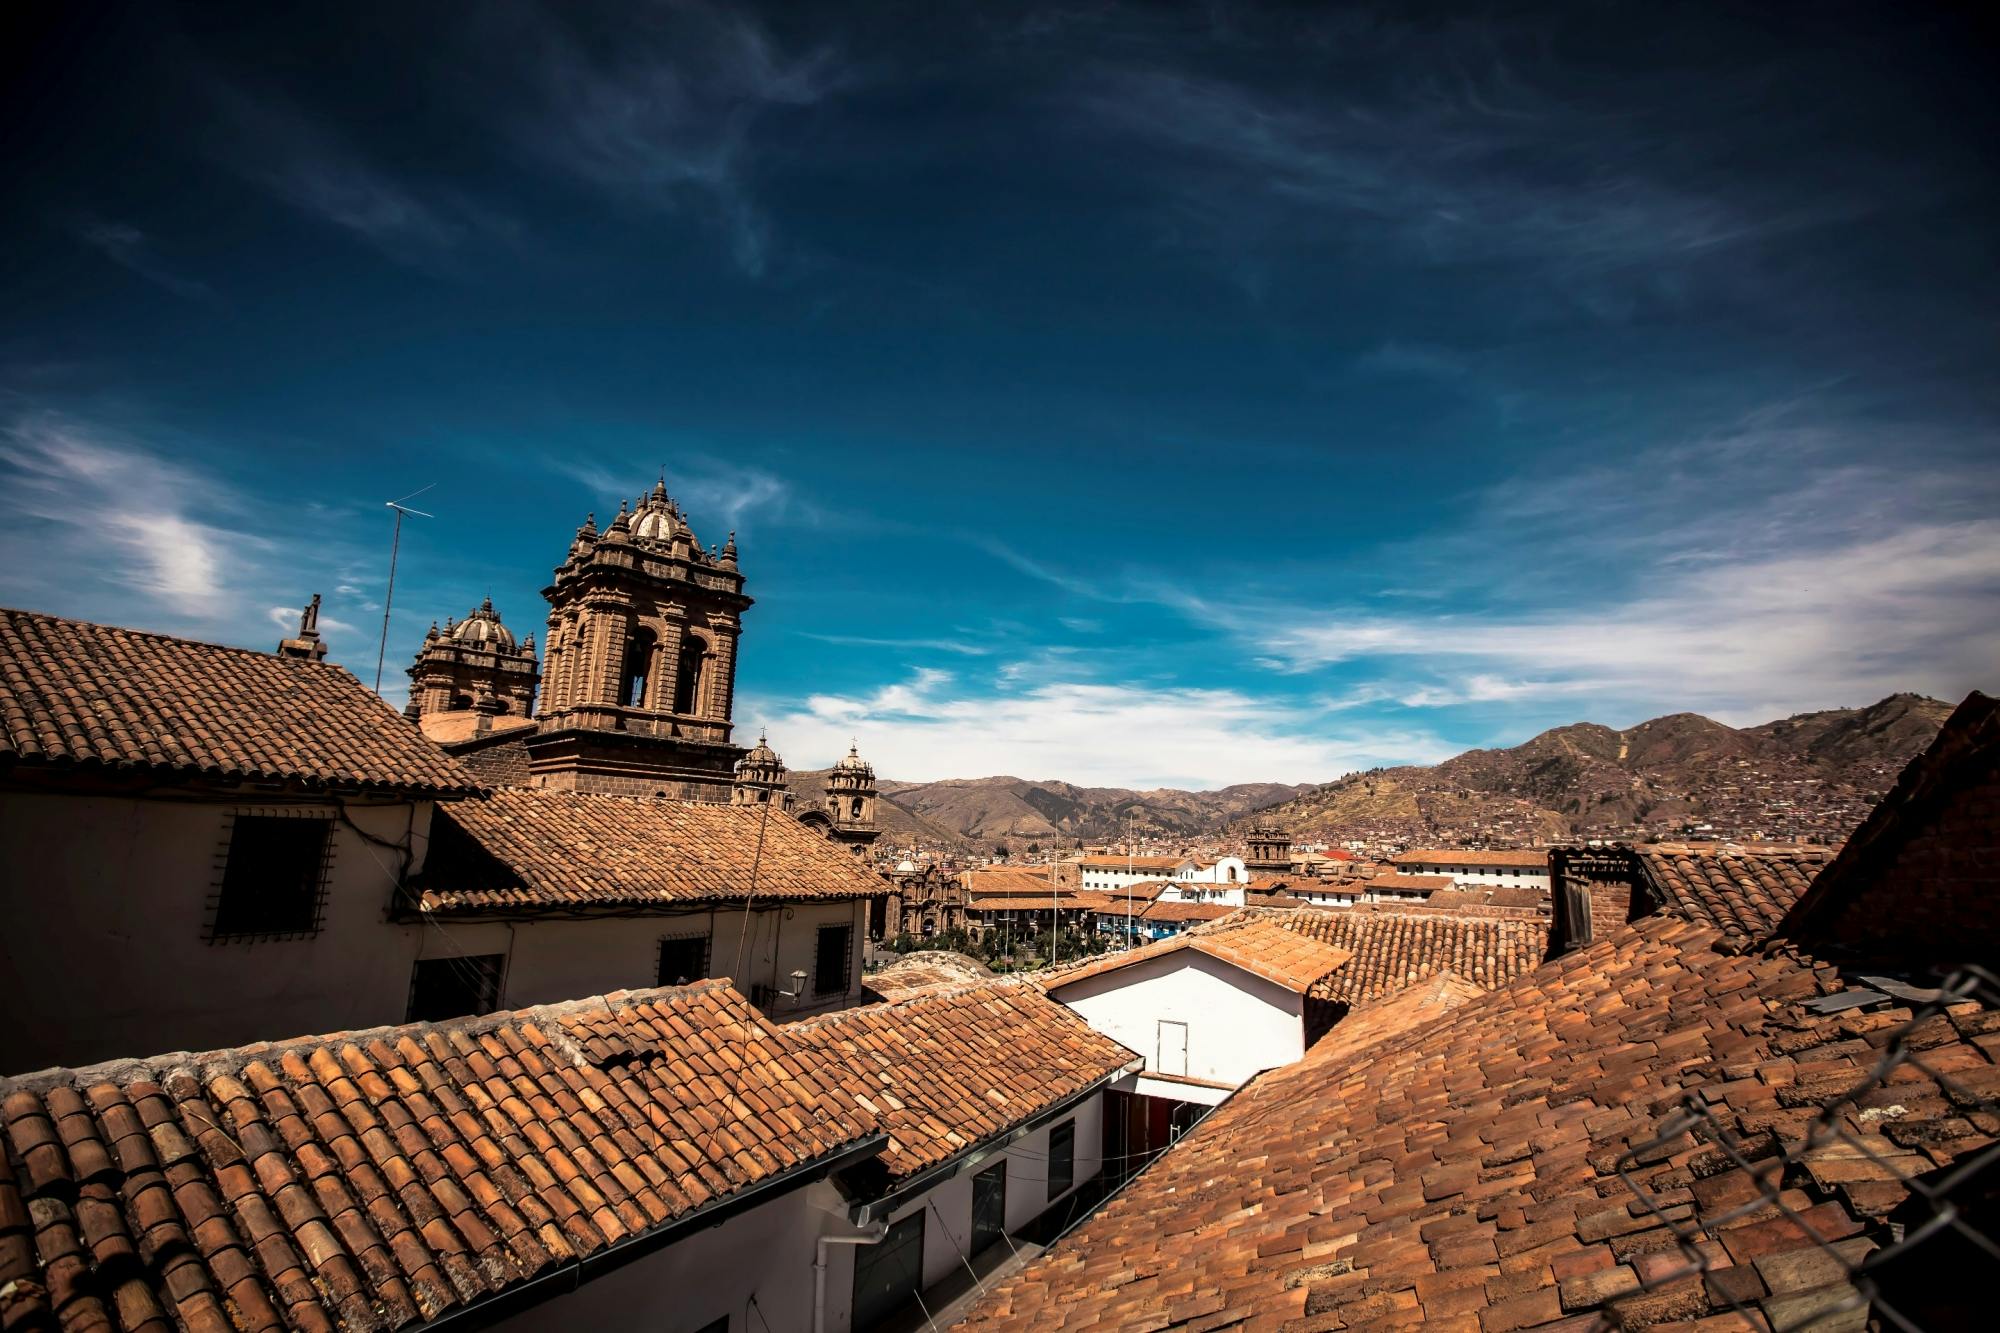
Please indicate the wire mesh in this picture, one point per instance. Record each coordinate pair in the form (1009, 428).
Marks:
(1848, 1275)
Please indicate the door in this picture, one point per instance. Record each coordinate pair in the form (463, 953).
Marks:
(888, 1273)
(1171, 1054)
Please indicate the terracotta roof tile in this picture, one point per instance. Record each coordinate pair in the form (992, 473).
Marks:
(1460, 1165)
(98, 698)
(1742, 890)
(952, 1068)
(379, 1179)
(1116, 862)
(1161, 910)
(928, 969)
(1394, 948)
(523, 849)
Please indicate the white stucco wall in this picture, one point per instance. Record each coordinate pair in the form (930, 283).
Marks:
(1237, 1024)
(105, 955)
(1492, 876)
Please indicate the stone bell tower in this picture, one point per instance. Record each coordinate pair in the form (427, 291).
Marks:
(1270, 848)
(639, 670)
(850, 801)
(760, 778)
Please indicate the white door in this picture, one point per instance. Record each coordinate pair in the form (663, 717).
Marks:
(1171, 1057)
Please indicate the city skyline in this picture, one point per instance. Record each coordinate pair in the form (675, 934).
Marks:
(1124, 399)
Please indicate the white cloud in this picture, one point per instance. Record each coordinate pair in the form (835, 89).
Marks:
(132, 249)
(99, 504)
(929, 727)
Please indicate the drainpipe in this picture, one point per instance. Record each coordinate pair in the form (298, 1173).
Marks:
(873, 1236)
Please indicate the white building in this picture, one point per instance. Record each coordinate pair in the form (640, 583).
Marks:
(1208, 1009)
(1113, 871)
(241, 844)
(1501, 869)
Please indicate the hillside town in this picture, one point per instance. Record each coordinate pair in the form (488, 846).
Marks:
(548, 1003)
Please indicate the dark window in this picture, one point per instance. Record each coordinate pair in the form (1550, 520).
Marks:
(455, 987)
(272, 881)
(989, 1206)
(887, 1274)
(831, 958)
(687, 679)
(715, 1326)
(638, 661)
(1062, 1158)
(683, 959)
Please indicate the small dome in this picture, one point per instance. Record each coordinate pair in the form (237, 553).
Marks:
(761, 753)
(854, 763)
(483, 627)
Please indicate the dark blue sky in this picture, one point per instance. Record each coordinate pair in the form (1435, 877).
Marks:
(1100, 392)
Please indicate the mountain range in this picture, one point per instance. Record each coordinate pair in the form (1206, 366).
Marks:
(1812, 775)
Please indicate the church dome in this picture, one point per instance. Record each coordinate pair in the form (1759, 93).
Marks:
(482, 628)
(854, 763)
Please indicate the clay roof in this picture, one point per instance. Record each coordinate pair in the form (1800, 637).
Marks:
(95, 698)
(450, 728)
(1465, 1168)
(1863, 902)
(1069, 902)
(374, 1180)
(946, 1070)
(1111, 862)
(1254, 944)
(1457, 856)
(1161, 910)
(523, 849)
(1393, 949)
(1743, 891)
(1009, 882)
(1484, 897)
(927, 969)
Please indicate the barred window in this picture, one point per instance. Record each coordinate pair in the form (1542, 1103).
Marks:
(273, 877)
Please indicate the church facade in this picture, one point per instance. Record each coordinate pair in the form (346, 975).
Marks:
(635, 691)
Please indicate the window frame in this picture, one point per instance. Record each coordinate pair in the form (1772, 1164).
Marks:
(495, 965)
(660, 956)
(1059, 1185)
(819, 990)
(868, 1258)
(217, 927)
(998, 1173)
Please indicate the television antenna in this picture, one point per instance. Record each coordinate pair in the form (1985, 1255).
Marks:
(389, 597)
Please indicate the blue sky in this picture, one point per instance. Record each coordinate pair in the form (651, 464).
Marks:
(1119, 394)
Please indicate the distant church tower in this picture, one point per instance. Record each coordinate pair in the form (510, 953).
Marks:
(760, 778)
(471, 666)
(850, 801)
(640, 675)
(1270, 848)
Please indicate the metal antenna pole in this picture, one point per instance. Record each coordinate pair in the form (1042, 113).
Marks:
(389, 597)
(1055, 919)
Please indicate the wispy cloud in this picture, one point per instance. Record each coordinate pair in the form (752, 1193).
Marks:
(132, 249)
(960, 646)
(714, 494)
(312, 168)
(670, 113)
(933, 725)
(80, 498)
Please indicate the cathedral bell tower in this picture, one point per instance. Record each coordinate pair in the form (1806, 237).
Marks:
(760, 778)
(1270, 848)
(639, 671)
(850, 801)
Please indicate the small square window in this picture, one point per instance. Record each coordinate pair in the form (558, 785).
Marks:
(273, 878)
(442, 988)
(683, 959)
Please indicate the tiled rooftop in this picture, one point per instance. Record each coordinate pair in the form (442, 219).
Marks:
(524, 849)
(1396, 948)
(1743, 891)
(946, 1070)
(1163, 911)
(1114, 861)
(97, 699)
(1454, 856)
(380, 1179)
(1252, 943)
(1462, 1171)
(1399, 883)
